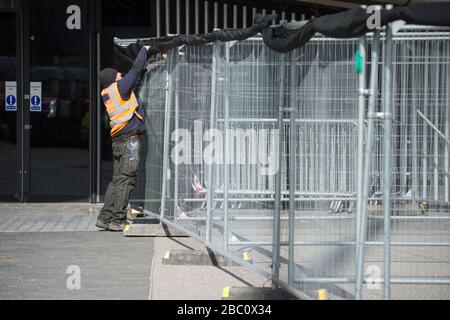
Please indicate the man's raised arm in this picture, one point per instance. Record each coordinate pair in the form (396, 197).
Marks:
(127, 84)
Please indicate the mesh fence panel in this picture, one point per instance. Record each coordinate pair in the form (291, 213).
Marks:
(213, 149)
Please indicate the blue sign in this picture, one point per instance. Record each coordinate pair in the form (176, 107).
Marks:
(36, 96)
(35, 101)
(11, 100)
(11, 95)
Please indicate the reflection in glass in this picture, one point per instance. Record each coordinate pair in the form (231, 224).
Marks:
(8, 137)
(60, 132)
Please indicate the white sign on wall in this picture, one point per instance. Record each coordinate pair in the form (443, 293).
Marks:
(10, 96)
(35, 96)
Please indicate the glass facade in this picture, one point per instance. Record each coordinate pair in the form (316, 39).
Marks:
(54, 133)
(45, 100)
(8, 104)
(8, 4)
(59, 61)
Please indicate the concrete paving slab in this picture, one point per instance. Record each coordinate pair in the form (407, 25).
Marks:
(188, 257)
(195, 282)
(38, 224)
(34, 265)
(47, 217)
(7, 223)
(84, 223)
(31, 261)
(151, 230)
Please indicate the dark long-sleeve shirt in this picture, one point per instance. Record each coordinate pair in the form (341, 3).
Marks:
(126, 85)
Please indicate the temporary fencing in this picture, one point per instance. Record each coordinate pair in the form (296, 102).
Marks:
(305, 170)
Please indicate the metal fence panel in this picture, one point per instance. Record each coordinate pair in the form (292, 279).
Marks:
(255, 153)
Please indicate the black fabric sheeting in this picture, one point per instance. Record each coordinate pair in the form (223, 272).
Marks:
(124, 57)
(432, 14)
(347, 24)
(353, 23)
(224, 35)
(282, 39)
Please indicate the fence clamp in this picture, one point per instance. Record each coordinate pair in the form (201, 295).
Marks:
(380, 115)
(364, 92)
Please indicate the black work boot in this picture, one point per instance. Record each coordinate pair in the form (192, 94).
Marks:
(117, 226)
(102, 224)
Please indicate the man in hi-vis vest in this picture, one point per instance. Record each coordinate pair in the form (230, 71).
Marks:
(127, 124)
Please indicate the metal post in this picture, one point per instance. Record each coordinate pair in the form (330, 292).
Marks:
(168, 105)
(206, 16)
(177, 124)
(188, 7)
(178, 12)
(197, 16)
(158, 18)
(216, 15)
(425, 128)
(292, 171)
(227, 144)
(387, 79)
(225, 16)
(436, 136)
(360, 168)
(415, 155)
(403, 130)
(277, 209)
(99, 124)
(447, 135)
(167, 17)
(211, 182)
(373, 93)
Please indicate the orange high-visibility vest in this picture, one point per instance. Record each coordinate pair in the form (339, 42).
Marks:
(120, 111)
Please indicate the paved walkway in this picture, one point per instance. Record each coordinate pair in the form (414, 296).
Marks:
(195, 282)
(39, 243)
(34, 265)
(43, 217)
(43, 246)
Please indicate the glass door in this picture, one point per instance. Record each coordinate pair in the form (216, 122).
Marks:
(45, 91)
(10, 188)
(59, 100)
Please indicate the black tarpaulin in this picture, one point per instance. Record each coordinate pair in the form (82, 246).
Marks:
(347, 24)
(353, 23)
(283, 39)
(124, 57)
